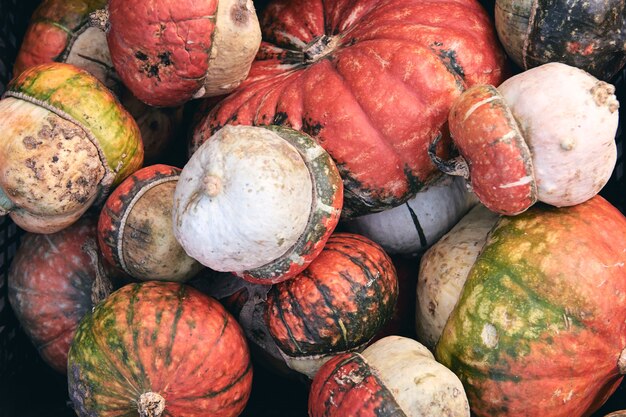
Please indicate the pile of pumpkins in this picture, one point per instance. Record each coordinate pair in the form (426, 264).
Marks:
(332, 135)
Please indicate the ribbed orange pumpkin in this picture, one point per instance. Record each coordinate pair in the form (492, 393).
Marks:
(159, 349)
(337, 304)
(371, 80)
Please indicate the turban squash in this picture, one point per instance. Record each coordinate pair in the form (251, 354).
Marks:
(372, 81)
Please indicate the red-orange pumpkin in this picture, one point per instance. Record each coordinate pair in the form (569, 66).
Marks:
(159, 349)
(371, 80)
(50, 287)
(337, 304)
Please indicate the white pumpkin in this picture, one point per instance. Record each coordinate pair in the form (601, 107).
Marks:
(257, 201)
(395, 374)
(414, 226)
(444, 268)
(569, 120)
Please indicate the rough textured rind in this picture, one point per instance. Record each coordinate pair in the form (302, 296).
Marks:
(60, 31)
(80, 95)
(533, 333)
(371, 81)
(50, 171)
(164, 338)
(585, 34)
(135, 227)
(50, 287)
(337, 304)
(162, 49)
(489, 139)
(395, 376)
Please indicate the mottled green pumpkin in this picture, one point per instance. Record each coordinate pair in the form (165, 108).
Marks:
(539, 326)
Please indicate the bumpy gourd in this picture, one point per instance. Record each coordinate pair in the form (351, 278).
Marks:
(170, 51)
(65, 142)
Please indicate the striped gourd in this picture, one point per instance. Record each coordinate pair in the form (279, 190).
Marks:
(159, 349)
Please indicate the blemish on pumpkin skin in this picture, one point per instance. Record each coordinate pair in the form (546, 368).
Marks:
(30, 142)
(239, 13)
(141, 56)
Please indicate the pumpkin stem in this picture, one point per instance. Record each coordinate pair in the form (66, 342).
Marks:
(100, 19)
(621, 362)
(213, 185)
(6, 205)
(319, 48)
(455, 166)
(151, 404)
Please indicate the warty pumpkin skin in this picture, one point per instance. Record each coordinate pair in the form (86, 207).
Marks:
(394, 377)
(372, 81)
(51, 287)
(539, 326)
(163, 347)
(60, 31)
(170, 51)
(337, 304)
(590, 35)
(65, 142)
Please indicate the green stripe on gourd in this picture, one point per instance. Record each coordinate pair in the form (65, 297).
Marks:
(77, 96)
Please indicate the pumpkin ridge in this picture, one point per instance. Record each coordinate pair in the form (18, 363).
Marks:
(281, 316)
(256, 118)
(180, 294)
(213, 394)
(270, 81)
(380, 294)
(298, 311)
(172, 375)
(365, 270)
(130, 318)
(342, 19)
(131, 388)
(379, 134)
(324, 292)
